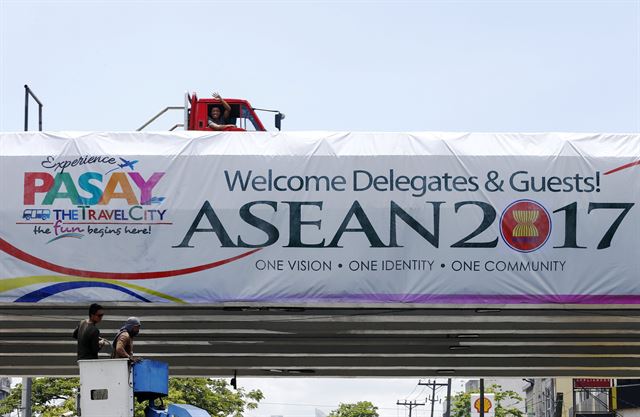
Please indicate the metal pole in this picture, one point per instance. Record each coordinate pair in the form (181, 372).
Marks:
(26, 397)
(448, 398)
(26, 108)
(433, 397)
(481, 397)
(574, 398)
(613, 395)
(27, 93)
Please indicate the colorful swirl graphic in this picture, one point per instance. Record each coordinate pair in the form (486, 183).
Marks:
(61, 284)
(30, 259)
(78, 278)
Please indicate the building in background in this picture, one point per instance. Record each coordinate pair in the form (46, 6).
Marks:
(593, 397)
(627, 397)
(601, 397)
(5, 387)
(549, 397)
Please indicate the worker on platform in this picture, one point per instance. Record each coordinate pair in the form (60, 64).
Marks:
(217, 118)
(123, 342)
(88, 335)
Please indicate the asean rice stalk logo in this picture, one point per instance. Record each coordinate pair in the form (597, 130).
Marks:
(525, 225)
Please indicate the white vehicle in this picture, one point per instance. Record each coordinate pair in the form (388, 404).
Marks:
(108, 388)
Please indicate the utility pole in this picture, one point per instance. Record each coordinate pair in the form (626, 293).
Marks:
(448, 398)
(26, 397)
(481, 397)
(433, 385)
(411, 405)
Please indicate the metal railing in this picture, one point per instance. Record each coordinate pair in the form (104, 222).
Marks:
(160, 113)
(28, 92)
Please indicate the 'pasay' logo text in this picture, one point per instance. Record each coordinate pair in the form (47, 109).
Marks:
(90, 188)
(107, 204)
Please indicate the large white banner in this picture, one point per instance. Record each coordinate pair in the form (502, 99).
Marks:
(317, 217)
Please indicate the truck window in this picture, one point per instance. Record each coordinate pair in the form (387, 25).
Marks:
(246, 120)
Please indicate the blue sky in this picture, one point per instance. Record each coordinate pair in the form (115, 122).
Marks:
(333, 65)
(389, 66)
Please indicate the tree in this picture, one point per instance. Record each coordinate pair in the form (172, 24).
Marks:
(50, 397)
(504, 403)
(359, 409)
(213, 395)
(53, 397)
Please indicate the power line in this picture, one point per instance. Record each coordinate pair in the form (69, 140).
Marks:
(413, 390)
(317, 405)
(420, 393)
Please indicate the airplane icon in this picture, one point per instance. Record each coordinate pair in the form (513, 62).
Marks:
(125, 163)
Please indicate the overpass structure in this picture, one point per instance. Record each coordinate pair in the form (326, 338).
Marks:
(271, 341)
(325, 253)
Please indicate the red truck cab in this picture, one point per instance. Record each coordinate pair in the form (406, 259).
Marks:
(196, 114)
(242, 115)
